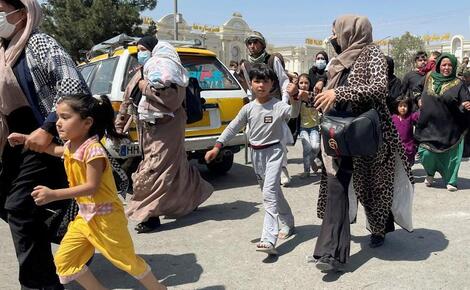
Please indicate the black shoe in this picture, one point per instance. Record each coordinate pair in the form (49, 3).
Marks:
(328, 263)
(376, 241)
(148, 226)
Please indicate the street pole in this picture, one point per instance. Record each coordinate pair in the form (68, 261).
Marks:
(176, 19)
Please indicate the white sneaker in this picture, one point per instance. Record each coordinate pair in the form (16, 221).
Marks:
(428, 180)
(451, 188)
(285, 178)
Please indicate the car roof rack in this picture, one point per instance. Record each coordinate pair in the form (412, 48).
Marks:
(123, 41)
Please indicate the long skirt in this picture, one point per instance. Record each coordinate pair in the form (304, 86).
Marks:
(165, 183)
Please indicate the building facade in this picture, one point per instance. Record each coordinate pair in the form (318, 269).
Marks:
(227, 40)
(457, 45)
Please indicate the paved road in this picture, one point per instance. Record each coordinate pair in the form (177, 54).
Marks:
(214, 248)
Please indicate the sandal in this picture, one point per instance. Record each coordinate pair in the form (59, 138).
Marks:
(286, 233)
(266, 247)
(148, 226)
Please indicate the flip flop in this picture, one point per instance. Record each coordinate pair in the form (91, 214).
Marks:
(270, 250)
(286, 233)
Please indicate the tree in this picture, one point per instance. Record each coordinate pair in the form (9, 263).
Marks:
(403, 50)
(80, 24)
(152, 29)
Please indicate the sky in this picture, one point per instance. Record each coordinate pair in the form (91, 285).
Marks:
(291, 22)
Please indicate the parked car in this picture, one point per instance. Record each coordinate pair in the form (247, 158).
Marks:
(109, 73)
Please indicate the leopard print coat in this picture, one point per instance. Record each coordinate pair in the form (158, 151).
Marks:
(373, 176)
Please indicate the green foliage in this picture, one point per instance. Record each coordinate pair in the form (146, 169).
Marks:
(403, 50)
(80, 24)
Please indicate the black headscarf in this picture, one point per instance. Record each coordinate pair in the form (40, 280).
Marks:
(325, 55)
(148, 42)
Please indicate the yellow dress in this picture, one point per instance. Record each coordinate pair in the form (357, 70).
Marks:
(100, 224)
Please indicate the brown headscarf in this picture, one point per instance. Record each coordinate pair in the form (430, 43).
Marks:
(11, 95)
(353, 34)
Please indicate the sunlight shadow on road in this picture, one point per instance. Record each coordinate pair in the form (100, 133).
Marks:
(239, 176)
(236, 210)
(302, 234)
(400, 246)
(171, 270)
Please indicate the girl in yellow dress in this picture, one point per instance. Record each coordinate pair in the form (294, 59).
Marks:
(101, 223)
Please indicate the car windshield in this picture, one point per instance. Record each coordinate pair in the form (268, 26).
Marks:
(99, 75)
(210, 73)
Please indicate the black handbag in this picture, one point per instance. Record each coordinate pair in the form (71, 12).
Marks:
(351, 136)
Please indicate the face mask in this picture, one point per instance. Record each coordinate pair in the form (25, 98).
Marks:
(6, 28)
(336, 47)
(143, 56)
(320, 63)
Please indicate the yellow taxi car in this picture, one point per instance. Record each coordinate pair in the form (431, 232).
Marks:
(109, 74)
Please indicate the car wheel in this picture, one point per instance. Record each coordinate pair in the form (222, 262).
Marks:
(222, 163)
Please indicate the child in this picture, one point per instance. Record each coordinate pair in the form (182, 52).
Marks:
(309, 121)
(101, 223)
(404, 121)
(266, 117)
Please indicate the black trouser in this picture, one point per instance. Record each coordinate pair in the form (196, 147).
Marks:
(335, 236)
(21, 171)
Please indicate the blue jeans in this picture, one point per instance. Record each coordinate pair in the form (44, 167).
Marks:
(311, 146)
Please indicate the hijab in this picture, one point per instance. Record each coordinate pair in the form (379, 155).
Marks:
(149, 42)
(11, 95)
(353, 34)
(439, 80)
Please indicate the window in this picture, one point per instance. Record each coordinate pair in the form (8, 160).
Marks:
(132, 68)
(99, 75)
(87, 71)
(210, 73)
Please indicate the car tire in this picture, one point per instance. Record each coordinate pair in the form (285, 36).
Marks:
(223, 164)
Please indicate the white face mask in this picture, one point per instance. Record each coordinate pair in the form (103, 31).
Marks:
(6, 28)
(320, 63)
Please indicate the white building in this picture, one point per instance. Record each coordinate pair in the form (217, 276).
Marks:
(457, 45)
(299, 58)
(227, 40)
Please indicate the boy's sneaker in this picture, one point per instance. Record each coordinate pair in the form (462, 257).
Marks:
(451, 188)
(428, 180)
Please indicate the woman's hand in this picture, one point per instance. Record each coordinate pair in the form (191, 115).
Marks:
(318, 87)
(466, 105)
(324, 101)
(43, 195)
(16, 139)
(211, 154)
(304, 95)
(38, 140)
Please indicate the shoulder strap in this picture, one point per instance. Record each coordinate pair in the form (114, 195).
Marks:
(246, 75)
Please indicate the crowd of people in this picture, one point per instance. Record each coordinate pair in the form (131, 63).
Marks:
(47, 113)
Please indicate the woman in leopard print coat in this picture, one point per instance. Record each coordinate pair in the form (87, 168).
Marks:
(358, 82)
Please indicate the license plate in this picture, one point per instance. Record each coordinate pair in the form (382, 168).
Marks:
(129, 150)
